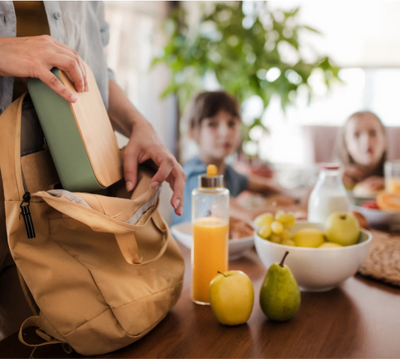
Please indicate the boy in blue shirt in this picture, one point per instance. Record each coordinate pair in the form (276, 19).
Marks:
(215, 123)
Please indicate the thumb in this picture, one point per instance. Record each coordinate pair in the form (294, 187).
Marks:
(130, 170)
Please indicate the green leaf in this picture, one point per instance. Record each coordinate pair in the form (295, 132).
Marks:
(219, 44)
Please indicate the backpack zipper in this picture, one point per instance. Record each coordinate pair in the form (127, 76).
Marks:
(26, 215)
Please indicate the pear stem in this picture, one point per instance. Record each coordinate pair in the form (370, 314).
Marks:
(222, 273)
(283, 259)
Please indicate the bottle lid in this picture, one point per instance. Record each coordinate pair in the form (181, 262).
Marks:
(211, 178)
(329, 166)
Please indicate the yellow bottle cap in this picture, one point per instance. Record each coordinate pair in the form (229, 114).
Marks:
(211, 179)
(212, 170)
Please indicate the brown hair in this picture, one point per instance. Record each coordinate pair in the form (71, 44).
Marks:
(342, 153)
(208, 104)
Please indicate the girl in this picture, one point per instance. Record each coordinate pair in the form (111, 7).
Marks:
(215, 125)
(361, 148)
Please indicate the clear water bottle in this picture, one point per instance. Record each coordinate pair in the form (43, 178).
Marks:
(210, 220)
(329, 195)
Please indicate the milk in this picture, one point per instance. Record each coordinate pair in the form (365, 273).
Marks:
(322, 205)
(328, 195)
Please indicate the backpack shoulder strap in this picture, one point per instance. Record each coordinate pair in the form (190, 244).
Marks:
(10, 151)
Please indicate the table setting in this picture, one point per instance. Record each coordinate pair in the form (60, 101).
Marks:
(340, 278)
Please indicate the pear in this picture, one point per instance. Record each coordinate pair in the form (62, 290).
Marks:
(280, 293)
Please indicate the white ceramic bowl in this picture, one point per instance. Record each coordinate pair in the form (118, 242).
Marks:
(377, 217)
(316, 269)
(183, 233)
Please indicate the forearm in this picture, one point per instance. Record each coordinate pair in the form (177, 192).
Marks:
(123, 114)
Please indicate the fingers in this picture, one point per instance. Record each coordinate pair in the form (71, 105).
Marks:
(70, 65)
(164, 170)
(177, 184)
(348, 181)
(130, 169)
(172, 172)
(353, 174)
(357, 173)
(55, 84)
(65, 50)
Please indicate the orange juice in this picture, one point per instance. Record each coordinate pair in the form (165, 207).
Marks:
(393, 185)
(209, 255)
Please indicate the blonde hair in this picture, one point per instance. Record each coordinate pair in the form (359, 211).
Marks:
(341, 151)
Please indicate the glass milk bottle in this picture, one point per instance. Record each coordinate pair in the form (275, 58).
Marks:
(329, 195)
(210, 221)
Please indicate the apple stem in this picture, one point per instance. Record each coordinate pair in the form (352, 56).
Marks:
(283, 259)
(222, 273)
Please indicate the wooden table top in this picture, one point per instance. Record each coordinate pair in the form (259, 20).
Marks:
(359, 319)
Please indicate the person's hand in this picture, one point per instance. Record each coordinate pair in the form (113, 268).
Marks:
(351, 175)
(143, 145)
(35, 56)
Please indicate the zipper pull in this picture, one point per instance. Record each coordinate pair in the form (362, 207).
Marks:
(26, 214)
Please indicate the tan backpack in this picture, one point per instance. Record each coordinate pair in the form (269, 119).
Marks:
(102, 271)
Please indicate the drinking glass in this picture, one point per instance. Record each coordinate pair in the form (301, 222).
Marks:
(392, 176)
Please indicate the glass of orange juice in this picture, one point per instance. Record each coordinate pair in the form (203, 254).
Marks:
(210, 220)
(392, 176)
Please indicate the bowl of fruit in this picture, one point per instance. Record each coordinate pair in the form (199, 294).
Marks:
(321, 256)
(382, 211)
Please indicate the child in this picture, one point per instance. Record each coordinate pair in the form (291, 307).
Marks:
(215, 125)
(361, 148)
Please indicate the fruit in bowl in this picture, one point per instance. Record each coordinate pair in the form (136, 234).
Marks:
(275, 228)
(377, 215)
(388, 201)
(342, 228)
(309, 237)
(316, 269)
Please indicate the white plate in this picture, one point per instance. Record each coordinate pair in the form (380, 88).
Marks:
(183, 233)
(376, 217)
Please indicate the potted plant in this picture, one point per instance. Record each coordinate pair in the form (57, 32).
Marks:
(245, 48)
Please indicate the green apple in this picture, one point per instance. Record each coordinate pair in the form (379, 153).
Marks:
(342, 228)
(308, 237)
(231, 297)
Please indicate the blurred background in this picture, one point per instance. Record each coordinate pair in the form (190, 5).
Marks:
(298, 68)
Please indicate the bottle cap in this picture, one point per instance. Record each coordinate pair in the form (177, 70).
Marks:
(211, 179)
